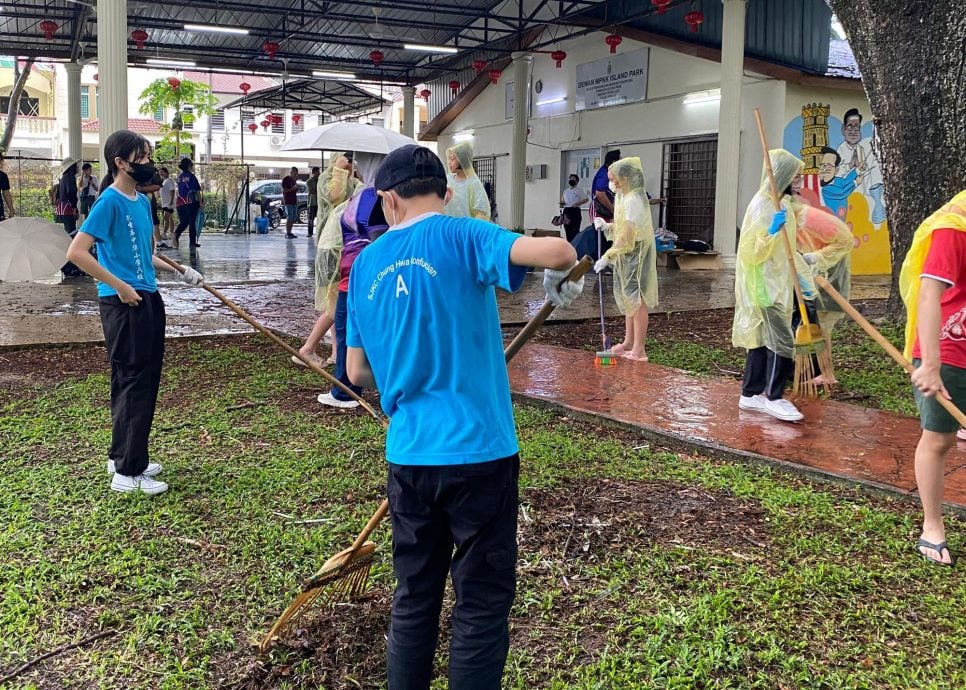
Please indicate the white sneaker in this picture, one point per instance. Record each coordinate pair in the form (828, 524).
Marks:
(153, 469)
(782, 409)
(752, 402)
(142, 483)
(328, 399)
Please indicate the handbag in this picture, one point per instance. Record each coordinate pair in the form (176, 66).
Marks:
(558, 220)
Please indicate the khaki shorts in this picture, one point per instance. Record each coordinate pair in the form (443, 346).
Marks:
(931, 414)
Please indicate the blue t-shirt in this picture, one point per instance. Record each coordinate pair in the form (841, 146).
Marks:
(422, 303)
(124, 232)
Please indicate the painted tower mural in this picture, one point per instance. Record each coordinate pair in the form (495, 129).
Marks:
(842, 174)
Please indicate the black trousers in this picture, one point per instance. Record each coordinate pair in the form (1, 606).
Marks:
(766, 372)
(434, 509)
(135, 346)
(313, 212)
(572, 219)
(187, 217)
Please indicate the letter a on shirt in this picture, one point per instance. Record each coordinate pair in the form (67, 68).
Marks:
(401, 287)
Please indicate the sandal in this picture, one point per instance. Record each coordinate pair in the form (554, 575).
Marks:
(634, 357)
(938, 548)
(314, 358)
(618, 349)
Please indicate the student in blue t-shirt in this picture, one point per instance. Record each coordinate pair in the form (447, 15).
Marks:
(423, 328)
(132, 313)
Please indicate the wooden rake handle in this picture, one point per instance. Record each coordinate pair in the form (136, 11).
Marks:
(278, 341)
(778, 207)
(576, 273)
(890, 349)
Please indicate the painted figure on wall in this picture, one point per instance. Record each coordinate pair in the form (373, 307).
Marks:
(836, 190)
(858, 154)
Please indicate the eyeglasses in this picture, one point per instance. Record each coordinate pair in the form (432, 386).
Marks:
(853, 128)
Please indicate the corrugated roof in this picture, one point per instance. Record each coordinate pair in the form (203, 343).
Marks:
(141, 125)
(841, 61)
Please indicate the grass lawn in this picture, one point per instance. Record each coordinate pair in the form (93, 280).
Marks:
(638, 568)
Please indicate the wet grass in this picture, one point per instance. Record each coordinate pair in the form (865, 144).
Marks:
(810, 585)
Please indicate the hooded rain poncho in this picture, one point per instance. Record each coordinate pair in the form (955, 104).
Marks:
(634, 253)
(830, 240)
(764, 292)
(469, 196)
(952, 216)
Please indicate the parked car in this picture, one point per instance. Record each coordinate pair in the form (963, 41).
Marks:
(268, 193)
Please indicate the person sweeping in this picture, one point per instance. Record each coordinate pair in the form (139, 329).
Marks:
(633, 255)
(932, 283)
(764, 292)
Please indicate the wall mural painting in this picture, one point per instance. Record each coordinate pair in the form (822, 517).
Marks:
(842, 174)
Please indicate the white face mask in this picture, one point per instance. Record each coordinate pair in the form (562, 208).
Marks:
(612, 187)
(394, 222)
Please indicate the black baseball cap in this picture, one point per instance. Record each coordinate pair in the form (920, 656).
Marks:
(409, 162)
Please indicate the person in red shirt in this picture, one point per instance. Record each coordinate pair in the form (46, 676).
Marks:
(939, 353)
(290, 199)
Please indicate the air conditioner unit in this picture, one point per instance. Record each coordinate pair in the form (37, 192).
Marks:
(536, 172)
(278, 140)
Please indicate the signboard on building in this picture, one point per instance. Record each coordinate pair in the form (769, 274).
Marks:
(614, 80)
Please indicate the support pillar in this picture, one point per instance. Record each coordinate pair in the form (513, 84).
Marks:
(409, 111)
(518, 149)
(111, 68)
(74, 122)
(729, 130)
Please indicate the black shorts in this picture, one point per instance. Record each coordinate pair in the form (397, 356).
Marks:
(154, 212)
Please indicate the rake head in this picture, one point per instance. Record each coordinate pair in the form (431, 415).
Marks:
(339, 579)
(811, 349)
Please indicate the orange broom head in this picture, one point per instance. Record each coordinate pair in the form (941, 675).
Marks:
(605, 359)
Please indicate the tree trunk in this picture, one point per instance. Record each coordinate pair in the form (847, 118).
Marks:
(19, 82)
(912, 56)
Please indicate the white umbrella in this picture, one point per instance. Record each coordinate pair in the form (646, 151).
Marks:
(348, 136)
(31, 248)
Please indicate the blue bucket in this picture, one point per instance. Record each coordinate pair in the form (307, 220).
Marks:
(261, 225)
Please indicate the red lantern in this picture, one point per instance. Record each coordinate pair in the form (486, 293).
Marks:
(558, 56)
(49, 28)
(694, 19)
(245, 87)
(272, 48)
(495, 75)
(174, 82)
(377, 57)
(252, 127)
(296, 118)
(425, 94)
(454, 87)
(266, 124)
(613, 40)
(139, 36)
(479, 66)
(661, 5)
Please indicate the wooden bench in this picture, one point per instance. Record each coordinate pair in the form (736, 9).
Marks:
(689, 261)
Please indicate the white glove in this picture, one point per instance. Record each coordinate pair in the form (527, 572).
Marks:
(601, 264)
(811, 258)
(191, 276)
(560, 291)
(600, 223)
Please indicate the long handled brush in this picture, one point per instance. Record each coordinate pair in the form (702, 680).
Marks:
(604, 357)
(809, 339)
(890, 349)
(345, 575)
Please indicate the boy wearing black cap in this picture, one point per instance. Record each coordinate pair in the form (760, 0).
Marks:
(423, 328)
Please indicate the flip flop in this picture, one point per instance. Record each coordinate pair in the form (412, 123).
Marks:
(618, 349)
(938, 548)
(314, 358)
(634, 357)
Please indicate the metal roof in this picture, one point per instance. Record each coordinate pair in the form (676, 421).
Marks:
(331, 97)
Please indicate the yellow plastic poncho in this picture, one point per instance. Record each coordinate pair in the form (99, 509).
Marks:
(953, 216)
(830, 240)
(469, 196)
(634, 253)
(764, 293)
(334, 188)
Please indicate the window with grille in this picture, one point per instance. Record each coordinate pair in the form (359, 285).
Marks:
(187, 117)
(280, 127)
(159, 114)
(486, 171)
(218, 120)
(28, 106)
(85, 105)
(688, 187)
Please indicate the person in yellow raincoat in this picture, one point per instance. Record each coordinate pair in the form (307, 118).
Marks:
(469, 197)
(633, 254)
(826, 246)
(932, 283)
(334, 187)
(764, 292)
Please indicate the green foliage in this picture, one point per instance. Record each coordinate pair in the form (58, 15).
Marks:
(160, 94)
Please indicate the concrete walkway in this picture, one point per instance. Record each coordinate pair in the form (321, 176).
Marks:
(837, 440)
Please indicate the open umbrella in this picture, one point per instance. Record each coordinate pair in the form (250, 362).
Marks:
(347, 136)
(31, 248)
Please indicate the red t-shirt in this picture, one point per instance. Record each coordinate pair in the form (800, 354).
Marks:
(289, 191)
(946, 262)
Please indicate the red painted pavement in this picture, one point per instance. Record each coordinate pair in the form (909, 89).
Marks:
(835, 439)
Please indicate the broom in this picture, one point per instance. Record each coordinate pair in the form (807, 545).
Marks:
(344, 575)
(809, 339)
(605, 357)
(890, 349)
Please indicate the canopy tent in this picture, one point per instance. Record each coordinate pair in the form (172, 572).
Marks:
(333, 98)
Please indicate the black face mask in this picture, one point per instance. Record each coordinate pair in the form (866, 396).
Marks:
(573, 183)
(142, 173)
